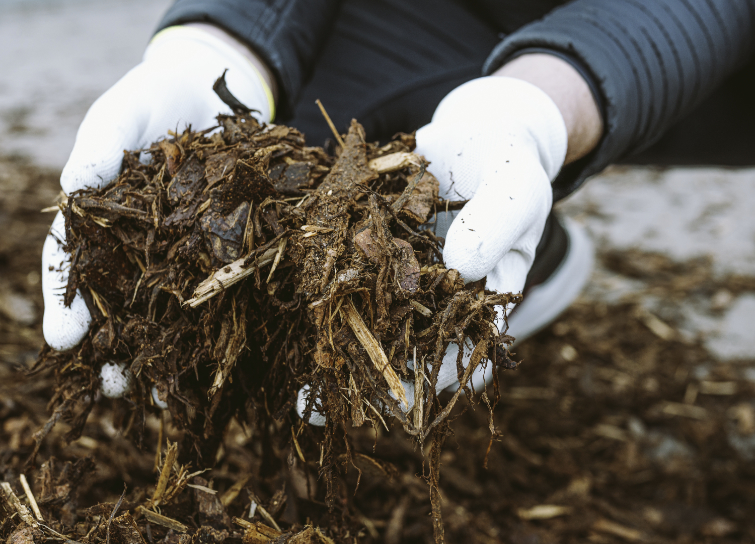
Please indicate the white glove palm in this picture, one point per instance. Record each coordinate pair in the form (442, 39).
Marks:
(497, 142)
(169, 90)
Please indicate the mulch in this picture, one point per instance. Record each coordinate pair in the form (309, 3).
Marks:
(614, 428)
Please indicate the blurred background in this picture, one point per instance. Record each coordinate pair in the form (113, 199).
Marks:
(637, 405)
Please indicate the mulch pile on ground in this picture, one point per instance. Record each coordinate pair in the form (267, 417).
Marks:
(239, 266)
(615, 428)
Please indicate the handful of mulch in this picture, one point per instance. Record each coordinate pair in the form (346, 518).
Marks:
(240, 265)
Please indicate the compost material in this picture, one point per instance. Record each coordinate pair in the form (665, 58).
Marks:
(609, 431)
(239, 266)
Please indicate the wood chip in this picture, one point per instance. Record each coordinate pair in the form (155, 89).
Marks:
(13, 500)
(656, 326)
(610, 431)
(376, 353)
(124, 531)
(227, 276)
(427, 312)
(718, 388)
(256, 532)
(744, 415)
(684, 410)
(167, 468)
(613, 528)
(393, 162)
(543, 511)
(315, 228)
(230, 495)
(243, 523)
(164, 521)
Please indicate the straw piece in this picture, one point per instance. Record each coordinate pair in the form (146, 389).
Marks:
(376, 353)
(162, 482)
(330, 123)
(30, 496)
(165, 521)
(16, 503)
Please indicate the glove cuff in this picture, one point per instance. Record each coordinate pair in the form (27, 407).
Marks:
(175, 40)
(511, 102)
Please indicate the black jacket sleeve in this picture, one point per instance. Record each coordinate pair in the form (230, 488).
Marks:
(651, 61)
(287, 34)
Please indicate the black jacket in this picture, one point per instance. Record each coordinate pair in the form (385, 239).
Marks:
(649, 62)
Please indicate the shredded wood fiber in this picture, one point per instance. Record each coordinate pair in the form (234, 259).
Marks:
(240, 265)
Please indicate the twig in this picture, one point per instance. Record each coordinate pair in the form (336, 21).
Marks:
(419, 384)
(30, 496)
(330, 123)
(115, 510)
(268, 517)
(159, 451)
(354, 361)
(377, 414)
(479, 352)
(278, 255)
(406, 195)
(298, 448)
(227, 276)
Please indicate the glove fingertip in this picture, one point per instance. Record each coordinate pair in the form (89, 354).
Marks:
(465, 258)
(316, 418)
(65, 328)
(81, 173)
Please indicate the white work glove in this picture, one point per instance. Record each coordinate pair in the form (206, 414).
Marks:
(497, 142)
(169, 90)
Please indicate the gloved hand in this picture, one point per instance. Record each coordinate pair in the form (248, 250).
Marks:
(497, 142)
(170, 89)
